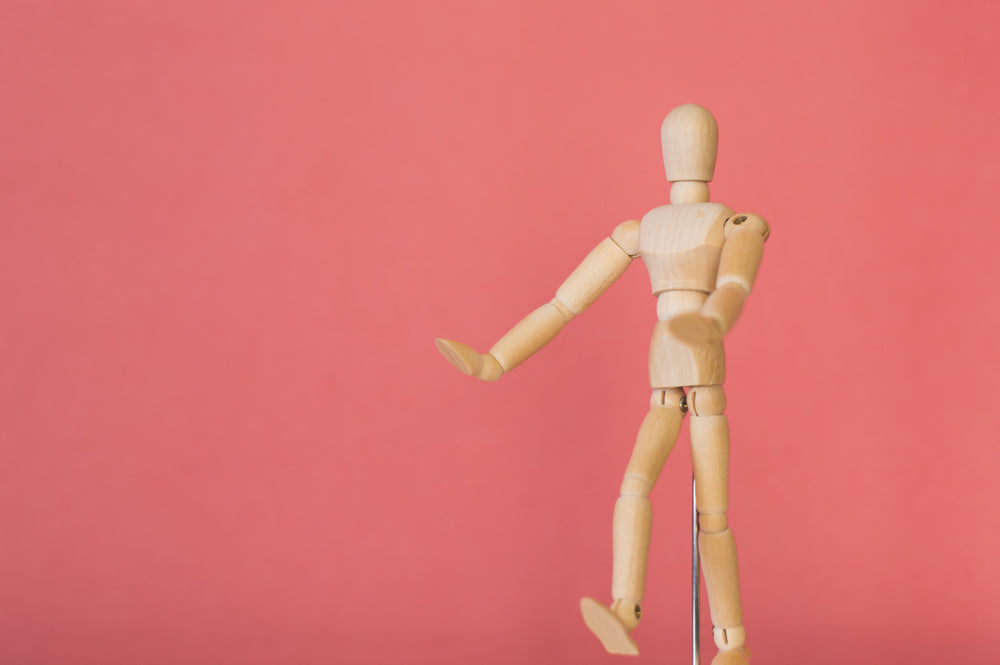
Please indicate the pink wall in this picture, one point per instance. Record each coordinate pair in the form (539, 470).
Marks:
(229, 233)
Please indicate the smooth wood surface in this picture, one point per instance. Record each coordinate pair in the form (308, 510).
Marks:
(632, 520)
(689, 136)
(598, 271)
(626, 236)
(631, 524)
(689, 191)
(656, 438)
(738, 264)
(702, 260)
(710, 458)
(675, 362)
(722, 308)
(744, 248)
(670, 304)
(706, 400)
(469, 361)
(681, 246)
(530, 334)
(605, 624)
(718, 556)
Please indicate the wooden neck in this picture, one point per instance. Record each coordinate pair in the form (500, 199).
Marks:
(689, 191)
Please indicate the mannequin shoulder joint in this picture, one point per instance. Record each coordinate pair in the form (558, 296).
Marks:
(626, 236)
(741, 221)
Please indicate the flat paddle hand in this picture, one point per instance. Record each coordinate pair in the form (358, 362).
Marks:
(469, 361)
(695, 328)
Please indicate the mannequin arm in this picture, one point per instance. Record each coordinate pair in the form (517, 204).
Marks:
(598, 271)
(738, 265)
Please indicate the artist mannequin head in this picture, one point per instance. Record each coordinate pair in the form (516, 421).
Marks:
(690, 139)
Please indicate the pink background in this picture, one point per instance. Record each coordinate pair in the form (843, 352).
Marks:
(230, 232)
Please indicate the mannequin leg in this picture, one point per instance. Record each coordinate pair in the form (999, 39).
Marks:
(710, 456)
(632, 522)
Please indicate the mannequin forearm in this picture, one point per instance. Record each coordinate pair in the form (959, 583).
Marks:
(725, 305)
(532, 333)
(592, 277)
(598, 271)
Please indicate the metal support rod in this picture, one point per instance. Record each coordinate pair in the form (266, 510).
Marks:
(695, 579)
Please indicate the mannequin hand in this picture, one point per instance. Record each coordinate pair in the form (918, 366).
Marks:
(695, 328)
(469, 361)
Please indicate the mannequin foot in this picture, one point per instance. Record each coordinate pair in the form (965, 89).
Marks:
(740, 656)
(609, 627)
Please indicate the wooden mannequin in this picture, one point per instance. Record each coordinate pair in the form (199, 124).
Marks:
(702, 259)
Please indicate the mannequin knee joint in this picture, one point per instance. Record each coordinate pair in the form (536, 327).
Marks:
(673, 398)
(706, 400)
(635, 485)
